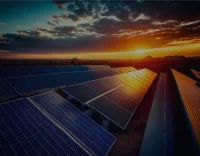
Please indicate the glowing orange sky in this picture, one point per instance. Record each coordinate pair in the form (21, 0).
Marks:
(189, 49)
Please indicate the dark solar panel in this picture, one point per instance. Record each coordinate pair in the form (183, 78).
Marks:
(95, 67)
(81, 68)
(13, 72)
(26, 85)
(6, 92)
(67, 68)
(26, 131)
(81, 92)
(88, 133)
(119, 96)
(131, 93)
(111, 96)
(37, 70)
(111, 110)
(104, 85)
(52, 69)
(51, 80)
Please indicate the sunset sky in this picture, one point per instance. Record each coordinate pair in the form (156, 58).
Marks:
(98, 29)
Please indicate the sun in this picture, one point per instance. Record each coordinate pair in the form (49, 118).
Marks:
(140, 51)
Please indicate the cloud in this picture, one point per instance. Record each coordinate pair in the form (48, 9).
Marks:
(18, 27)
(141, 17)
(51, 24)
(166, 23)
(190, 23)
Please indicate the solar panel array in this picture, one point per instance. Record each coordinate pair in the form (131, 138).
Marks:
(47, 124)
(115, 97)
(124, 69)
(190, 95)
(24, 81)
(7, 72)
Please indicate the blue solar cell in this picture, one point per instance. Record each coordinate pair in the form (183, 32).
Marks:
(6, 92)
(50, 80)
(25, 85)
(90, 135)
(81, 68)
(102, 73)
(26, 131)
(37, 70)
(66, 68)
(13, 72)
(53, 69)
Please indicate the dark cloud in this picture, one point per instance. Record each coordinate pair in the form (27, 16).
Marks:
(51, 24)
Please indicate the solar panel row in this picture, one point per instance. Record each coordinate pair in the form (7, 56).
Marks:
(115, 97)
(189, 92)
(26, 85)
(89, 134)
(124, 69)
(47, 124)
(159, 126)
(26, 131)
(6, 72)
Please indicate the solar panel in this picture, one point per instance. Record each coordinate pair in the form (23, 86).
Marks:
(37, 70)
(121, 98)
(104, 85)
(143, 76)
(26, 85)
(89, 134)
(52, 69)
(95, 67)
(131, 83)
(106, 67)
(111, 110)
(66, 68)
(111, 93)
(51, 80)
(13, 72)
(190, 92)
(81, 92)
(6, 92)
(26, 131)
(81, 68)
